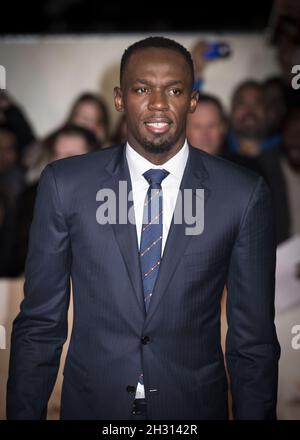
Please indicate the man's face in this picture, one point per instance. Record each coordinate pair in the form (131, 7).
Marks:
(248, 117)
(156, 95)
(205, 128)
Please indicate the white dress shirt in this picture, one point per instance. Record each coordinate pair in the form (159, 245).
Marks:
(137, 165)
(170, 185)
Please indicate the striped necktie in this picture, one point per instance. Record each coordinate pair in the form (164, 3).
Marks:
(151, 235)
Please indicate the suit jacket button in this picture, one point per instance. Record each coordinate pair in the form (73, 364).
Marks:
(145, 339)
(130, 388)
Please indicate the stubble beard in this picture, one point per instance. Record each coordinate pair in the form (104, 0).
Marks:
(159, 147)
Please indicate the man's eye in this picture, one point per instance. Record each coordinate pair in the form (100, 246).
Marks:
(175, 92)
(142, 90)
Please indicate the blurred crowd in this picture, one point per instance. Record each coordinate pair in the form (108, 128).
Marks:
(260, 131)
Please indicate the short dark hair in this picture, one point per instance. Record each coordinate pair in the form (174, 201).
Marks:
(158, 42)
(249, 83)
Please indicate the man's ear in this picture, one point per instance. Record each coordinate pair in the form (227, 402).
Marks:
(118, 99)
(194, 101)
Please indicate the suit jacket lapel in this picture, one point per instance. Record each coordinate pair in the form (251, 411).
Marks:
(125, 234)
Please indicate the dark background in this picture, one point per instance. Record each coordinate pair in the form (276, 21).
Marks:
(93, 16)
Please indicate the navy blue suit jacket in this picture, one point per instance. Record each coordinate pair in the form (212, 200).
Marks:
(177, 343)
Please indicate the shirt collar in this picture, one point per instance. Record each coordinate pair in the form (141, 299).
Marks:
(138, 164)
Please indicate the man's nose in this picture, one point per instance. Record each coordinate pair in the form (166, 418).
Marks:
(158, 100)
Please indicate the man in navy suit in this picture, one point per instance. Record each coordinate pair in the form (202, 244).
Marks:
(145, 341)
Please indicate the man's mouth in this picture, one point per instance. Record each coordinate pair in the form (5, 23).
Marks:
(158, 125)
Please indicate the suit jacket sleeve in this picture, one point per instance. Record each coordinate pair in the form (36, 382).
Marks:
(252, 348)
(40, 329)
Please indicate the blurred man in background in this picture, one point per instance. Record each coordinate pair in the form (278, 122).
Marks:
(249, 146)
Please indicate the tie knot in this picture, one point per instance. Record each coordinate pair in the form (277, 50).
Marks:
(155, 176)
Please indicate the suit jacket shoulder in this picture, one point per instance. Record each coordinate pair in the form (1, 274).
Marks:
(81, 166)
(225, 170)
